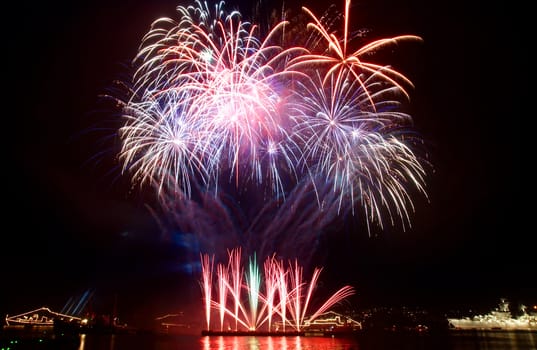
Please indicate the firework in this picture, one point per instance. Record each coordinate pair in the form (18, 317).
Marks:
(213, 103)
(217, 82)
(336, 59)
(286, 297)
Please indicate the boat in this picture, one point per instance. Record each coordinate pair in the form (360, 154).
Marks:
(175, 323)
(328, 324)
(331, 324)
(40, 318)
(500, 318)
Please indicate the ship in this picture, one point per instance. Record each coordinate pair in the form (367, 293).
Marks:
(40, 318)
(176, 323)
(331, 324)
(500, 318)
(328, 324)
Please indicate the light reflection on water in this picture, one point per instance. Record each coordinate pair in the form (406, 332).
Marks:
(467, 340)
(278, 343)
(462, 341)
(124, 342)
(508, 340)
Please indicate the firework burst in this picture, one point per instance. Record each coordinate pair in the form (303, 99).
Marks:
(213, 103)
(224, 80)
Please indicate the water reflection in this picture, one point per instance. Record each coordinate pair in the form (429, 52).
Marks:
(82, 342)
(278, 343)
(467, 340)
(477, 340)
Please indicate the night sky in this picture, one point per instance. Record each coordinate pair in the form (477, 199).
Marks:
(72, 223)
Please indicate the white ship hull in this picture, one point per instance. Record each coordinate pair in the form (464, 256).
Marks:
(501, 318)
(492, 324)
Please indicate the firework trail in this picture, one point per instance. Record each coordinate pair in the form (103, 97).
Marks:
(286, 296)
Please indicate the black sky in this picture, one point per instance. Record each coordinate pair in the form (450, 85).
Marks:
(71, 226)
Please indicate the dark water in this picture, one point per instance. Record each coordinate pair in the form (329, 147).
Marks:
(474, 340)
